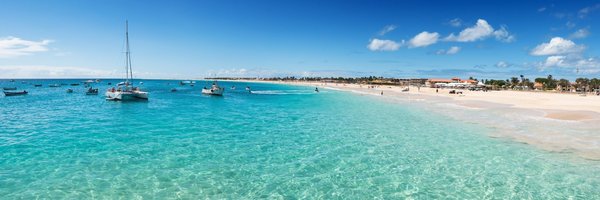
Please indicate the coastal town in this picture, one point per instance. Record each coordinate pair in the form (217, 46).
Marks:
(546, 84)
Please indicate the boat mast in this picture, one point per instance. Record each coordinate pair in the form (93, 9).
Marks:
(128, 70)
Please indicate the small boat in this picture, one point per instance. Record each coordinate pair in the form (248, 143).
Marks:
(69, 90)
(173, 90)
(191, 85)
(74, 84)
(91, 91)
(54, 85)
(37, 85)
(9, 88)
(109, 83)
(233, 87)
(15, 93)
(214, 90)
(12, 80)
(141, 83)
(121, 83)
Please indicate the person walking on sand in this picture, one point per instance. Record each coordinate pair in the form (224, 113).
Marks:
(436, 90)
(381, 92)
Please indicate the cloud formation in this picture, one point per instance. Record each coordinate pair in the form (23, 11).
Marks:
(387, 29)
(584, 12)
(452, 50)
(503, 64)
(456, 22)
(481, 30)
(565, 53)
(424, 39)
(14, 47)
(557, 46)
(383, 45)
(579, 34)
(42, 71)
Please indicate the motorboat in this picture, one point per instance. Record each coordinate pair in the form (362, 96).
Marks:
(69, 90)
(15, 93)
(213, 90)
(91, 91)
(37, 85)
(173, 89)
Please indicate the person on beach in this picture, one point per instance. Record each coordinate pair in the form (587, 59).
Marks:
(436, 90)
(381, 92)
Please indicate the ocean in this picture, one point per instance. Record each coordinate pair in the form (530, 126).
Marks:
(279, 142)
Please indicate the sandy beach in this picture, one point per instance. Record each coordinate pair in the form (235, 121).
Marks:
(557, 122)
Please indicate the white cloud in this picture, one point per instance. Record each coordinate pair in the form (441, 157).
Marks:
(481, 30)
(542, 9)
(587, 10)
(383, 45)
(452, 50)
(577, 63)
(14, 47)
(581, 33)
(554, 61)
(503, 35)
(41, 71)
(557, 46)
(503, 64)
(456, 22)
(387, 29)
(424, 39)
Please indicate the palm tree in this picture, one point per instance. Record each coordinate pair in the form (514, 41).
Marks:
(522, 81)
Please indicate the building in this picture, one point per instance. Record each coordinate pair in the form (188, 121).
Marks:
(453, 82)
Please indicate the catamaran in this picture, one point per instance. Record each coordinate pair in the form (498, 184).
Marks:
(127, 91)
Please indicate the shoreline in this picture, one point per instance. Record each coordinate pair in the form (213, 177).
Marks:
(553, 122)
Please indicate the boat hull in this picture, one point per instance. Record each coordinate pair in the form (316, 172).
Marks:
(216, 92)
(15, 93)
(126, 96)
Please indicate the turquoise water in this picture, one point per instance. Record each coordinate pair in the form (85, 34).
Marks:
(282, 142)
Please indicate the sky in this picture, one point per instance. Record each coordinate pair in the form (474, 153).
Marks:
(262, 38)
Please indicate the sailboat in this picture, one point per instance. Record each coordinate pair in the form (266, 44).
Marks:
(127, 91)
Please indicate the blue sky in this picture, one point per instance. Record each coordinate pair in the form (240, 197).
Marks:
(195, 39)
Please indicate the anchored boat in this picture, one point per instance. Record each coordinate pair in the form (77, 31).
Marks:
(91, 91)
(15, 93)
(126, 91)
(213, 90)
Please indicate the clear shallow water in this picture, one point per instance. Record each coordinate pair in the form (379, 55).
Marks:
(283, 142)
